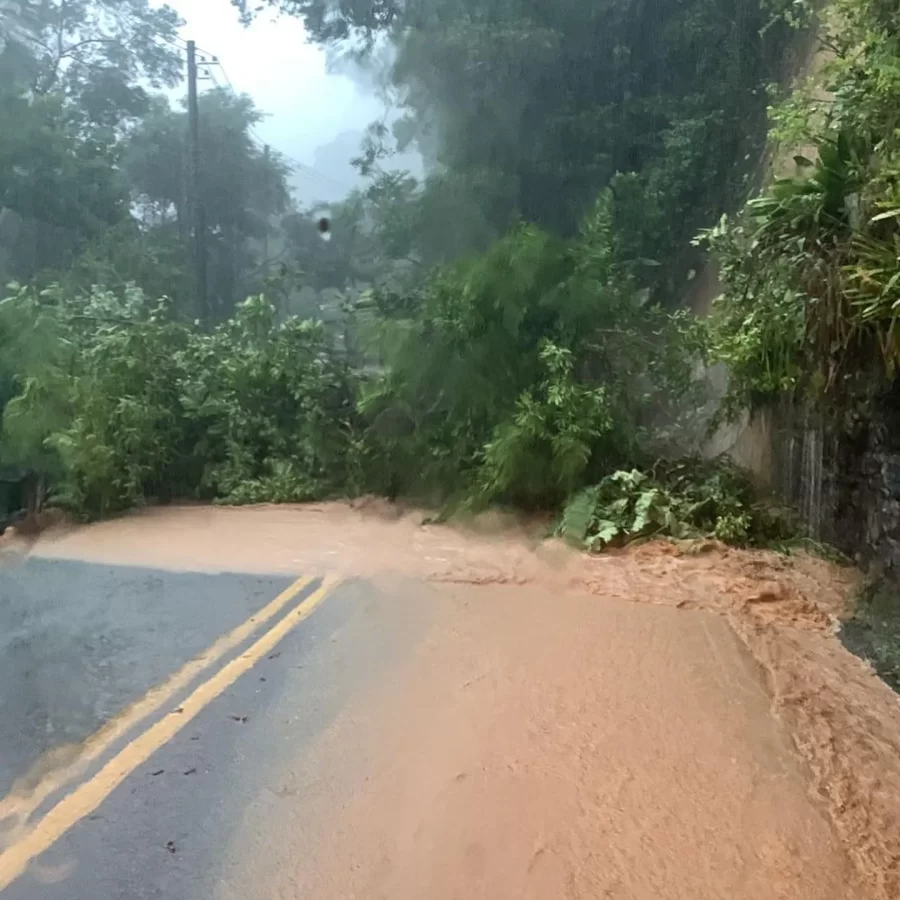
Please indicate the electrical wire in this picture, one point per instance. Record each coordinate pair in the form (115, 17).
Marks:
(221, 65)
(169, 41)
(297, 166)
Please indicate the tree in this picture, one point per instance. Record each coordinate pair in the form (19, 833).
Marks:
(340, 20)
(242, 189)
(74, 74)
(59, 179)
(531, 109)
(104, 54)
(19, 24)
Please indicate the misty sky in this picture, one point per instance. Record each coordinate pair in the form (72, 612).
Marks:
(287, 77)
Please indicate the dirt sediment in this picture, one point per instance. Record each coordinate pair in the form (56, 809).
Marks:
(844, 723)
(843, 720)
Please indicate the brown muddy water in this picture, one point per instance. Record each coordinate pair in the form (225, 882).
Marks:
(667, 721)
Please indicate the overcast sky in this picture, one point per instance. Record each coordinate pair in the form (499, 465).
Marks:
(287, 77)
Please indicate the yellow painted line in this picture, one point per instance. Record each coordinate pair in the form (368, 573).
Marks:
(88, 796)
(19, 805)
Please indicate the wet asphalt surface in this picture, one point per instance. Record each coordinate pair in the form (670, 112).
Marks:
(78, 642)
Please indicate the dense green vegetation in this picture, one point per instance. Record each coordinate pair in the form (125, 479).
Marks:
(687, 498)
(118, 403)
(93, 162)
(811, 268)
(811, 272)
(509, 330)
(530, 109)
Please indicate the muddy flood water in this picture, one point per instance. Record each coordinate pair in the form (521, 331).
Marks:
(662, 722)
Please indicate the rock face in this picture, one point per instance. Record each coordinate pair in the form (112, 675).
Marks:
(847, 489)
(881, 498)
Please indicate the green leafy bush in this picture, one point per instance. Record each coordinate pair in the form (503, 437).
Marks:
(127, 405)
(523, 373)
(542, 453)
(273, 408)
(457, 355)
(98, 412)
(688, 498)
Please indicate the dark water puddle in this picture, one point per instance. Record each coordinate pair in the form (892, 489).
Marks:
(874, 632)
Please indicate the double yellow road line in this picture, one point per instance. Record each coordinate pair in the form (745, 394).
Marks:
(26, 842)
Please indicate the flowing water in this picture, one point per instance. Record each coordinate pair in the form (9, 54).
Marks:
(558, 646)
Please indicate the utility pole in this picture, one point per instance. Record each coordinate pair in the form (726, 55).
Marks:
(266, 200)
(198, 213)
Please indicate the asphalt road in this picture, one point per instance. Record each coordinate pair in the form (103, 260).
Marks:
(80, 644)
(248, 737)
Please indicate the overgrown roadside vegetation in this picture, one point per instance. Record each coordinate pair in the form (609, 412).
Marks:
(119, 403)
(504, 330)
(509, 328)
(688, 498)
(811, 267)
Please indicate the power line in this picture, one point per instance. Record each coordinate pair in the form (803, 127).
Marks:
(321, 176)
(225, 73)
(198, 212)
(208, 61)
(297, 164)
(301, 168)
(169, 41)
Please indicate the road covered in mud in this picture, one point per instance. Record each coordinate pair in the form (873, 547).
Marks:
(415, 710)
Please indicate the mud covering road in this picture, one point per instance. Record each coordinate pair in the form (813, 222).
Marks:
(483, 714)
